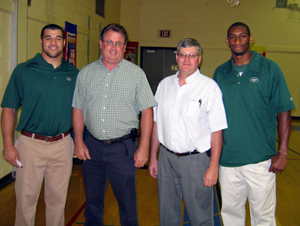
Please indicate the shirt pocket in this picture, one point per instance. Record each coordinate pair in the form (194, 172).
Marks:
(194, 110)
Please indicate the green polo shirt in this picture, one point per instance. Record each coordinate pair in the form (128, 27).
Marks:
(45, 95)
(251, 102)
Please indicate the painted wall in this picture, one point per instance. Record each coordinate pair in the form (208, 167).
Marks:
(42, 12)
(30, 21)
(6, 12)
(208, 21)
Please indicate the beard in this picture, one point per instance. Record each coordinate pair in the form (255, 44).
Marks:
(239, 53)
(243, 51)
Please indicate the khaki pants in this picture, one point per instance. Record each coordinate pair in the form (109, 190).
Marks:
(48, 161)
(253, 182)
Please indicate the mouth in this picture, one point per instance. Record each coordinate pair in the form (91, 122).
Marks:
(113, 52)
(53, 48)
(239, 47)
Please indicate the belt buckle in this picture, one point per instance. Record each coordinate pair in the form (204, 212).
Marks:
(49, 138)
(106, 141)
(177, 154)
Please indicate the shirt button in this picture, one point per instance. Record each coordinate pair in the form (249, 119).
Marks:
(103, 107)
(239, 83)
(103, 131)
(102, 120)
(106, 84)
(108, 73)
(54, 77)
(105, 96)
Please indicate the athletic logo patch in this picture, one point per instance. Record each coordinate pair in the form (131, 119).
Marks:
(254, 80)
(68, 79)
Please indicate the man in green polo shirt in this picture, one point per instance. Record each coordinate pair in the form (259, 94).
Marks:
(254, 93)
(43, 86)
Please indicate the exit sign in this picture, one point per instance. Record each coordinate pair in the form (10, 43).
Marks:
(164, 33)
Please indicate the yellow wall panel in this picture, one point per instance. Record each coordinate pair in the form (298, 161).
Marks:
(6, 7)
(208, 21)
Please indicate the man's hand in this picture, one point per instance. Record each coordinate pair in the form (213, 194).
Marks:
(82, 152)
(11, 154)
(153, 168)
(279, 163)
(140, 157)
(210, 176)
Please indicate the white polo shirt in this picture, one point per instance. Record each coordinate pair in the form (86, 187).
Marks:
(187, 115)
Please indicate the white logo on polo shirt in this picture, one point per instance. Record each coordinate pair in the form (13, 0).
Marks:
(254, 80)
(68, 79)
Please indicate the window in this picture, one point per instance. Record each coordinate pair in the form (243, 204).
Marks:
(281, 3)
(100, 8)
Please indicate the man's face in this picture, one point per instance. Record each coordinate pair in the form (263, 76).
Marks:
(187, 65)
(239, 40)
(112, 48)
(52, 43)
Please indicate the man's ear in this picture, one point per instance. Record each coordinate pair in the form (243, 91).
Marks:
(199, 59)
(251, 38)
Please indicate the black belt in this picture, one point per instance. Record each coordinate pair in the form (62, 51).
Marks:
(115, 140)
(208, 152)
(46, 138)
(182, 154)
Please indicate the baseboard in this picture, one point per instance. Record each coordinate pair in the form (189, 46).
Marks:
(6, 180)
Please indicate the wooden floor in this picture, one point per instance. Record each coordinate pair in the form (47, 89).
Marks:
(288, 196)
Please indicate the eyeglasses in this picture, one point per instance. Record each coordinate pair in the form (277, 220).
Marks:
(111, 43)
(190, 56)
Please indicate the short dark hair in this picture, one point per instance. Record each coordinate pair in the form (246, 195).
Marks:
(238, 24)
(189, 42)
(52, 27)
(117, 28)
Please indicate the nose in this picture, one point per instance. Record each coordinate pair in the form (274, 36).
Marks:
(186, 57)
(53, 41)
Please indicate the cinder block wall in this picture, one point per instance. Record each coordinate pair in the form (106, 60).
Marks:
(208, 21)
(6, 11)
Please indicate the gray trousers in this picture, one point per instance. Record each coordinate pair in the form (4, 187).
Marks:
(182, 178)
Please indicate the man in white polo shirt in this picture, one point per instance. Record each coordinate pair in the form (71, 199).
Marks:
(188, 123)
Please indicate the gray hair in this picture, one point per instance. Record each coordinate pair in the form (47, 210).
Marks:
(189, 42)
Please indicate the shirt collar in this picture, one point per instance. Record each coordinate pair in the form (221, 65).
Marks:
(193, 77)
(253, 64)
(44, 64)
(115, 68)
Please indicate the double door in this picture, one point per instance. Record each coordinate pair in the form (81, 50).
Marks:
(158, 63)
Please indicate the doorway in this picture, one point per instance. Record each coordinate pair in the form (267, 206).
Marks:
(158, 63)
